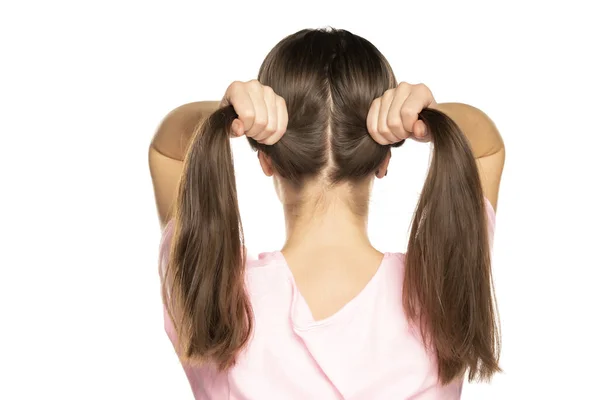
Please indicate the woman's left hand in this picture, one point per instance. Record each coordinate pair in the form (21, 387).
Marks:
(394, 116)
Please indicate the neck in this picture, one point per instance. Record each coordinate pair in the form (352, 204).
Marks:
(329, 224)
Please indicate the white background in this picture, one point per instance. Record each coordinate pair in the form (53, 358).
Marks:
(84, 84)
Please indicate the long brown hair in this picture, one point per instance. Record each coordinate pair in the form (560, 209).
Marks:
(328, 79)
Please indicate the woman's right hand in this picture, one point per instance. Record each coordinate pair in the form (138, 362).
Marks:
(262, 114)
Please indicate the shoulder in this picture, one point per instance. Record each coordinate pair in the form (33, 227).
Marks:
(490, 213)
(254, 261)
(395, 258)
(258, 261)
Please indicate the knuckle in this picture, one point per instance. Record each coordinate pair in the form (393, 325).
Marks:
(260, 122)
(407, 112)
(246, 114)
(383, 129)
(394, 121)
(235, 86)
(421, 87)
(270, 128)
(254, 85)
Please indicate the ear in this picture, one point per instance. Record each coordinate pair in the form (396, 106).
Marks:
(383, 167)
(265, 163)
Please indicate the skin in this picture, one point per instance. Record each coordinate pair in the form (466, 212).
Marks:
(327, 247)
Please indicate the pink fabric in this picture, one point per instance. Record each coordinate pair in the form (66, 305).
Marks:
(365, 351)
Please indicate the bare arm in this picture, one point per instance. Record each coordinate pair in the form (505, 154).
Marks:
(167, 151)
(169, 144)
(486, 143)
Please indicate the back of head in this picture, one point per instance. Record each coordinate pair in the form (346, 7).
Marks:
(329, 79)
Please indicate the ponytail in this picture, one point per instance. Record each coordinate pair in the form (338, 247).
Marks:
(203, 289)
(448, 289)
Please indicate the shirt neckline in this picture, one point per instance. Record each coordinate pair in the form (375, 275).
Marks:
(299, 301)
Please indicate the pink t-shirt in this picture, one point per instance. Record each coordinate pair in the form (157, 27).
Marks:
(365, 351)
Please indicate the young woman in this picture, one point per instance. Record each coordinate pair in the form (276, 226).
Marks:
(328, 316)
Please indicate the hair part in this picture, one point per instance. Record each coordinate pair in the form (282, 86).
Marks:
(328, 79)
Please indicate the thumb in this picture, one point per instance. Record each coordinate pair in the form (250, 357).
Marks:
(237, 127)
(420, 132)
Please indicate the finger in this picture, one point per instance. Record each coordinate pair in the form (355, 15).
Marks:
(420, 132)
(382, 126)
(372, 121)
(419, 98)
(261, 115)
(394, 117)
(244, 108)
(271, 103)
(282, 121)
(233, 88)
(373, 116)
(237, 127)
